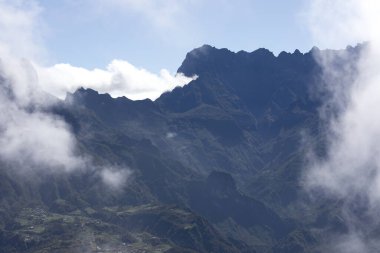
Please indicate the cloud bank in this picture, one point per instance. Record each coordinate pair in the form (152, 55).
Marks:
(120, 78)
(32, 139)
(28, 138)
(351, 169)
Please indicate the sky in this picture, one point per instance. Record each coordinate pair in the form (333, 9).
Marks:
(133, 48)
(158, 34)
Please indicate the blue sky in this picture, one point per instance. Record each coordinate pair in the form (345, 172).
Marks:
(133, 48)
(92, 33)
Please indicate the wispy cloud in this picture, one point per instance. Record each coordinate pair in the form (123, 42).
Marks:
(163, 14)
(351, 169)
(168, 22)
(115, 178)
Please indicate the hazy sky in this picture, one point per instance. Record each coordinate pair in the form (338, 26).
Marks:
(158, 34)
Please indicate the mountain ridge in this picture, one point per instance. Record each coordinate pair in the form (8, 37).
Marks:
(215, 165)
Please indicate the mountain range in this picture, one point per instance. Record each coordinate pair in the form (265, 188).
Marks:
(215, 166)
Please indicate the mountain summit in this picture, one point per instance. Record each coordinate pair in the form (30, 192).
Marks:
(250, 81)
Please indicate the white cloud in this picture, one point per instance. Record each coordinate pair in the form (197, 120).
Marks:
(115, 178)
(170, 135)
(20, 39)
(120, 78)
(36, 140)
(21, 29)
(351, 168)
(29, 138)
(335, 24)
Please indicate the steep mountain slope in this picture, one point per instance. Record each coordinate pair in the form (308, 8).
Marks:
(254, 105)
(215, 165)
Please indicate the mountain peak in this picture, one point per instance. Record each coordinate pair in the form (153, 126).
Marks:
(204, 50)
(83, 95)
(262, 52)
(252, 80)
(203, 56)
